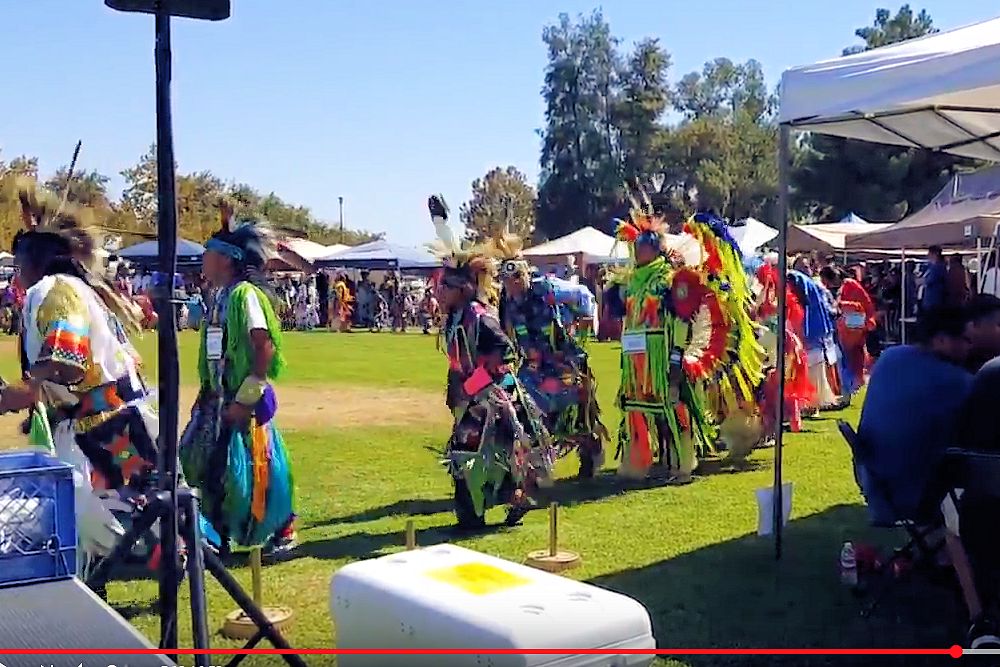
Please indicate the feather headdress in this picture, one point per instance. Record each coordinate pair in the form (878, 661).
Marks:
(249, 243)
(464, 266)
(58, 238)
(507, 249)
(45, 214)
(643, 224)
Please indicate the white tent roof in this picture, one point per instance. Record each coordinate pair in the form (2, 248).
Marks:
(827, 236)
(310, 250)
(594, 244)
(750, 234)
(966, 208)
(941, 92)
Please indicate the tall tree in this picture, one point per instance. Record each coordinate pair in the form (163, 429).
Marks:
(833, 176)
(139, 195)
(724, 87)
(641, 105)
(581, 156)
(722, 155)
(502, 201)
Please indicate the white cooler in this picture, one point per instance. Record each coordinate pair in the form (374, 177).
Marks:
(449, 597)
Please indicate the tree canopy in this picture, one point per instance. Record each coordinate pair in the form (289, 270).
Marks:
(609, 126)
(502, 202)
(133, 215)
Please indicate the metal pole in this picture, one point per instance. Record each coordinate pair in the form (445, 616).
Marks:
(904, 308)
(783, 154)
(341, 200)
(169, 370)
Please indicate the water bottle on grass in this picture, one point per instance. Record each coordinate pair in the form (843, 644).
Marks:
(848, 566)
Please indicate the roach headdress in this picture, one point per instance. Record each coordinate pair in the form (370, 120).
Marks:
(470, 267)
(249, 244)
(54, 232)
(58, 239)
(643, 226)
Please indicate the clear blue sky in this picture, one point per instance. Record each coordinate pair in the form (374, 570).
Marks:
(379, 101)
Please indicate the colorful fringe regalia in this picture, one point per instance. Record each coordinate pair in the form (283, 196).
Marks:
(819, 337)
(499, 445)
(104, 423)
(799, 391)
(341, 306)
(675, 336)
(538, 315)
(243, 471)
(857, 320)
(732, 387)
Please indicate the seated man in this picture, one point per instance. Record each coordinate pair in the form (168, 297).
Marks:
(982, 330)
(910, 413)
(970, 517)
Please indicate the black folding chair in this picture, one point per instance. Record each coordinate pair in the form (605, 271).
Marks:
(920, 529)
(977, 474)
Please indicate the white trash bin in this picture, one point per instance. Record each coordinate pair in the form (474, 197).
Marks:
(449, 597)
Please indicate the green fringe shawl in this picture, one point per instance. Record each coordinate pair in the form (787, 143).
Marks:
(652, 280)
(239, 351)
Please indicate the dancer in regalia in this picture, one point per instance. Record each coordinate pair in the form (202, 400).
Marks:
(818, 334)
(538, 314)
(231, 449)
(732, 389)
(499, 445)
(80, 373)
(675, 337)
(799, 391)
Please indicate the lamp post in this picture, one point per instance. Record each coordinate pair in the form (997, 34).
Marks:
(341, 201)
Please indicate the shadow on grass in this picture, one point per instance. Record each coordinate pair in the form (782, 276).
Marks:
(411, 507)
(734, 594)
(358, 546)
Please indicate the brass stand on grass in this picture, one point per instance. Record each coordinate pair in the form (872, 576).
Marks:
(411, 536)
(240, 626)
(552, 559)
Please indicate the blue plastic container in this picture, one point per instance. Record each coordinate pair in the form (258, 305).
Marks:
(37, 518)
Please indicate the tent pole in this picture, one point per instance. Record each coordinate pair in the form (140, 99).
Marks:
(903, 306)
(979, 257)
(783, 165)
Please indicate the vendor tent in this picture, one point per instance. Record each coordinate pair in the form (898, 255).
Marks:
(380, 255)
(310, 250)
(147, 252)
(828, 236)
(966, 209)
(750, 235)
(587, 246)
(940, 92)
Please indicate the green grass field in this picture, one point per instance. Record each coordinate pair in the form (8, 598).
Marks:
(364, 466)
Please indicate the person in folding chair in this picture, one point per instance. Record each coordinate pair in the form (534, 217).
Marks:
(970, 514)
(909, 418)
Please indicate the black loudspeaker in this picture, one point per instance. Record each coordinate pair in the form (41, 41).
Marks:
(208, 10)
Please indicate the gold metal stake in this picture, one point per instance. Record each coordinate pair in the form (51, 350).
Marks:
(552, 559)
(240, 626)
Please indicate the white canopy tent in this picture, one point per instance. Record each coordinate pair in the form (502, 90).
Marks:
(751, 234)
(587, 246)
(828, 236)
(940, 92)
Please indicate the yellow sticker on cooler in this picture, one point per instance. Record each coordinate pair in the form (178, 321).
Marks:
(478, 578)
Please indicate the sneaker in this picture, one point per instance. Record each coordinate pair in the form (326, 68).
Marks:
(280, 546)
(983, 634)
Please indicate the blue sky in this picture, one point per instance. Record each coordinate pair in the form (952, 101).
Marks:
(379, 101)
